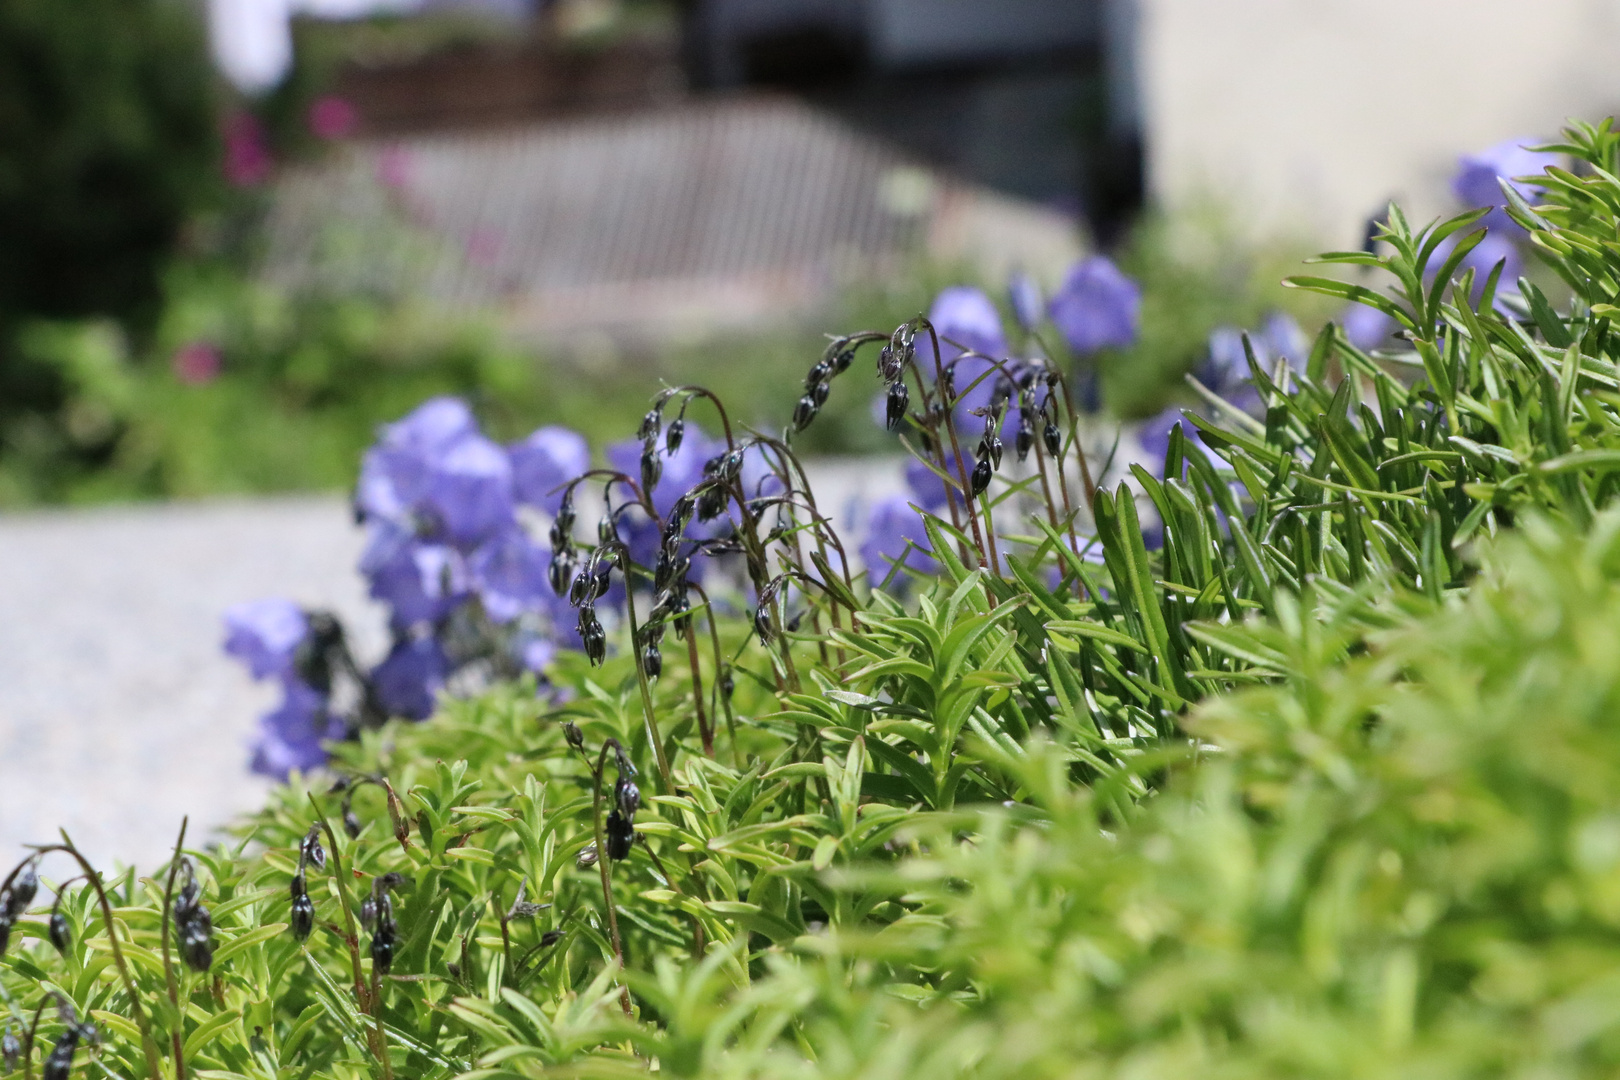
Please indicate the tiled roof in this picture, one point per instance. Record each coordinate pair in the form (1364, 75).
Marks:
(715, 211)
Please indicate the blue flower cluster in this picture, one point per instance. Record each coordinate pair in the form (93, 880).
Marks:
(449, 550)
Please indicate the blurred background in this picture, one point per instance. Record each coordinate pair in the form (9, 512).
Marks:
(237, 235)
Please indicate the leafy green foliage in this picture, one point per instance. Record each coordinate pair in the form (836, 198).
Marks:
(1310, 790)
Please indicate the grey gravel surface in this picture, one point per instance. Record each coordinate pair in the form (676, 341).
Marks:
(118, 712)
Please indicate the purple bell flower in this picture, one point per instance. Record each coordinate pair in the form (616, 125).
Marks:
(413, 672)
(1097, 307)
(291, 735)
(469, 489)
(545, 461)
(508, 571)
(265, 635)
(421, 582)
(1281, 337)
(1479, 176)
(395, 474)
(893, 521)
(927, 488)
(1024, 294)
(1367, 328)
(966, 316)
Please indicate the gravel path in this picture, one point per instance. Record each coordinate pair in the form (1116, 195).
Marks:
(118, 712)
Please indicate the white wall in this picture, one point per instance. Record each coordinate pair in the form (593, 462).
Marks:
(1313, 113)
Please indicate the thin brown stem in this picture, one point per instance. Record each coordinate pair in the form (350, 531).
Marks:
(168, 964)
(705, 731)
(956, 446)
(602, 859)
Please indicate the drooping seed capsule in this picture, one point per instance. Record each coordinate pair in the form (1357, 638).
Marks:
(580, 587)
(1052, 438)
(673, 436)
(728, 685)
(60, 935)
(895, 407)
(819, 393)
(804, 412)
(592, 636)
(888, 367)
(652, 466)
(368, 913)
(303, 909)
(650, 424)
(628, 796)
(980, 479)
(573, 736)
(762, 623)
(818, 375)
(312, 849)
(995, 446)
(382, 947)
(1025, 440)
(196, 940)
(587, 856)
(731, 465)
(652, 661)
(607, 529)
(564, 521)
(621, 834)
(560, 571)
(842, 359)
(23, 888)
(712, 503)
(60, 1063)
(351, 824)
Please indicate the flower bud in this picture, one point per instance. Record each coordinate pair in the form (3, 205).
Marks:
(712, 503)
(728, 684)
(587, 856)
(652, 467)
(1025, 440)
(574, 736)
(895, 407)
(1052, 438)
(382, 946)
(351, 824)
(312, 849)
(628, 796)
(652, 661)
(650, 424)
(762, 623)
(60, 1063)
(673, 435)
(196, 941)
(61, 936)
(368, 912)
(580, 587)
(818, 375)
(819, 393)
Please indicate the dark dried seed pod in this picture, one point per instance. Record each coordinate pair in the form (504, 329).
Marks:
(560, 572)
(804, 412)
(23, 888)
(1052, 438)
(351, 824)
(564, 521)
(550, 938)
(1001, 393)
(61, 936)
(382, 947)
(628, 796)
(793, 623)
(731, 465)
(888, 367)
(996, 448)
(673, 435)
(652, 661)
(607, 529)
(368, 912)
(1025, 440)
(593, 637)
(981, 476)
(312, 849)
(819, 393)
(728, 684)
(581, 587)
(574, 737)
(601, 578)
(196, 941)
(679, 515)
(652, 466)
(559, 536)
(762, 623)
(60, 1063)
(818, 375)
(895, 408)
(712, 503)
(303, 916)
(621, 835)
(650, 424)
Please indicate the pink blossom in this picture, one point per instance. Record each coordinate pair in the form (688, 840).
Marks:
(195, 363)
(247, 154)
(394, 168)
(332, 118)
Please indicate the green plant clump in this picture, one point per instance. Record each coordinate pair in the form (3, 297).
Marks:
(1325, 786)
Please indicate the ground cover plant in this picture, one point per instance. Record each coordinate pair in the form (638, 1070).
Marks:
(1292, 755)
